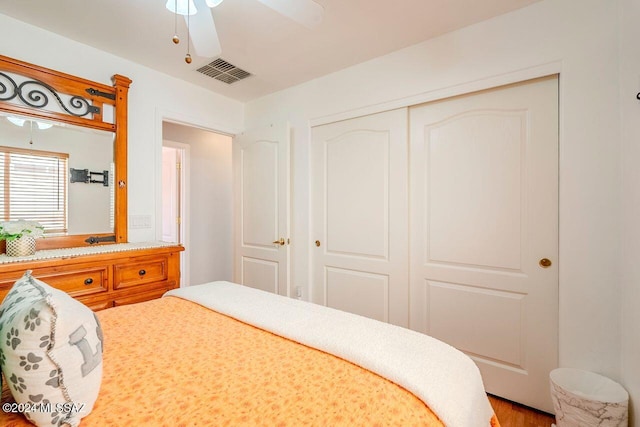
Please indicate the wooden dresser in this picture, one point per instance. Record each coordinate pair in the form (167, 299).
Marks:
(126, 274)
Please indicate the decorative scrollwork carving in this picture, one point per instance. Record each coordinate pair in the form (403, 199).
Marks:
(36, 97)
(4, 89)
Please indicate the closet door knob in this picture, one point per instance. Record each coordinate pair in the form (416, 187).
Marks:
(545, 263)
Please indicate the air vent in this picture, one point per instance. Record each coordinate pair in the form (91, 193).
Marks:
(223, 71)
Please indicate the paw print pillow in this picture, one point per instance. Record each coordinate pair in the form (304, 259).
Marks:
(50, 352)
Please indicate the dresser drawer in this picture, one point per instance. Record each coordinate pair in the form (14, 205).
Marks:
(140, 297)
(139, 271)
(78, 282)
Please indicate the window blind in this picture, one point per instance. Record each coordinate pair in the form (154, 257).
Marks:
(35, 187)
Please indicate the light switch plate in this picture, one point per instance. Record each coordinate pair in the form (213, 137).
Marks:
(139, 221)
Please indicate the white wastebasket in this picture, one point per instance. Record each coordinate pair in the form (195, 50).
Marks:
(584, 399)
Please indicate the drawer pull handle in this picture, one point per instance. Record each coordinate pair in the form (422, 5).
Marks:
(88, 281)
(142, 272)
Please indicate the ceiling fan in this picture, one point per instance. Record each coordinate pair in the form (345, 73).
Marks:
(202, 29)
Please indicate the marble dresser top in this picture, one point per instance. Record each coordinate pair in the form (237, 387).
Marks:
(85, 250)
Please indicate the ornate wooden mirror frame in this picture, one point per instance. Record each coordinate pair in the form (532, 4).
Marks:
(83, 106)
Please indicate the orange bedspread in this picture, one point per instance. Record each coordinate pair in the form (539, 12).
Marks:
(171, 362)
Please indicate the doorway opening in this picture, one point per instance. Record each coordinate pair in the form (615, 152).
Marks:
(197, 200)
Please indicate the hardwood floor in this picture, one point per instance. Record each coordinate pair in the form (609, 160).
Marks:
(511, 414)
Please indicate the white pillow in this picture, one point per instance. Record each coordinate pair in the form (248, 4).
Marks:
(50, 352)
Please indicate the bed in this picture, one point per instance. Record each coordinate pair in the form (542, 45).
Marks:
(223, 354)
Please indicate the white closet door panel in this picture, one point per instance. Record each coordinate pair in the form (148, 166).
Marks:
(359, 292)
(479, 312)
(484, 212)
(360, 216)
(357, 173)
(479, 208)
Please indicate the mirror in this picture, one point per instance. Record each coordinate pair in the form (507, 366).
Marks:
(84, 152)
(51, 151)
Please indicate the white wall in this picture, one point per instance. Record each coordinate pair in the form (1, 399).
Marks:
(577, 39)
(209, 247)
(630, 114)
(151, 92)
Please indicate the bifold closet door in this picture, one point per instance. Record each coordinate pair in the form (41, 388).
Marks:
(359, 211)
(484, 232)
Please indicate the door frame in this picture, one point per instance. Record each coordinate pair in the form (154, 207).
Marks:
(184, 205)
(163, 115)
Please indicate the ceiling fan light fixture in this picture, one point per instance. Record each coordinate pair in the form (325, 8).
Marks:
(16, 121)
(20, 122)
(182, 7)
(43, 126)
(203, 32)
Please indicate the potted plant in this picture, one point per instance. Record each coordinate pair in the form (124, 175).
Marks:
(20, 236)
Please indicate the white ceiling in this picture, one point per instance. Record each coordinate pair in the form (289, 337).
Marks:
(280, 53)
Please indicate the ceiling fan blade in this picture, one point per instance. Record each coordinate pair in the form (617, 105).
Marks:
(202, 31)
(305, 12)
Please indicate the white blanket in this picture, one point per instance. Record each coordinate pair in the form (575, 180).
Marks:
(444, 378)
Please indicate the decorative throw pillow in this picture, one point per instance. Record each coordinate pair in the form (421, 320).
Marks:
(50, 353)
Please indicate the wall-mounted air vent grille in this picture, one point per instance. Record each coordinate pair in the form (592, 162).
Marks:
(223, 71)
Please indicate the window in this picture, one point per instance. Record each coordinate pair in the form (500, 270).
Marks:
(35, 187)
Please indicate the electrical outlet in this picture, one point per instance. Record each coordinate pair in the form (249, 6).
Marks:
(298, 292)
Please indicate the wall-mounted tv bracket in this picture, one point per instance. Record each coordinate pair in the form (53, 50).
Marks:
(83, 175)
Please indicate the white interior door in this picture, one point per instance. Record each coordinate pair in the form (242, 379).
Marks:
(170, 194)
(484, 217)
(360, 216)
(262, 193)
(175, 184)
